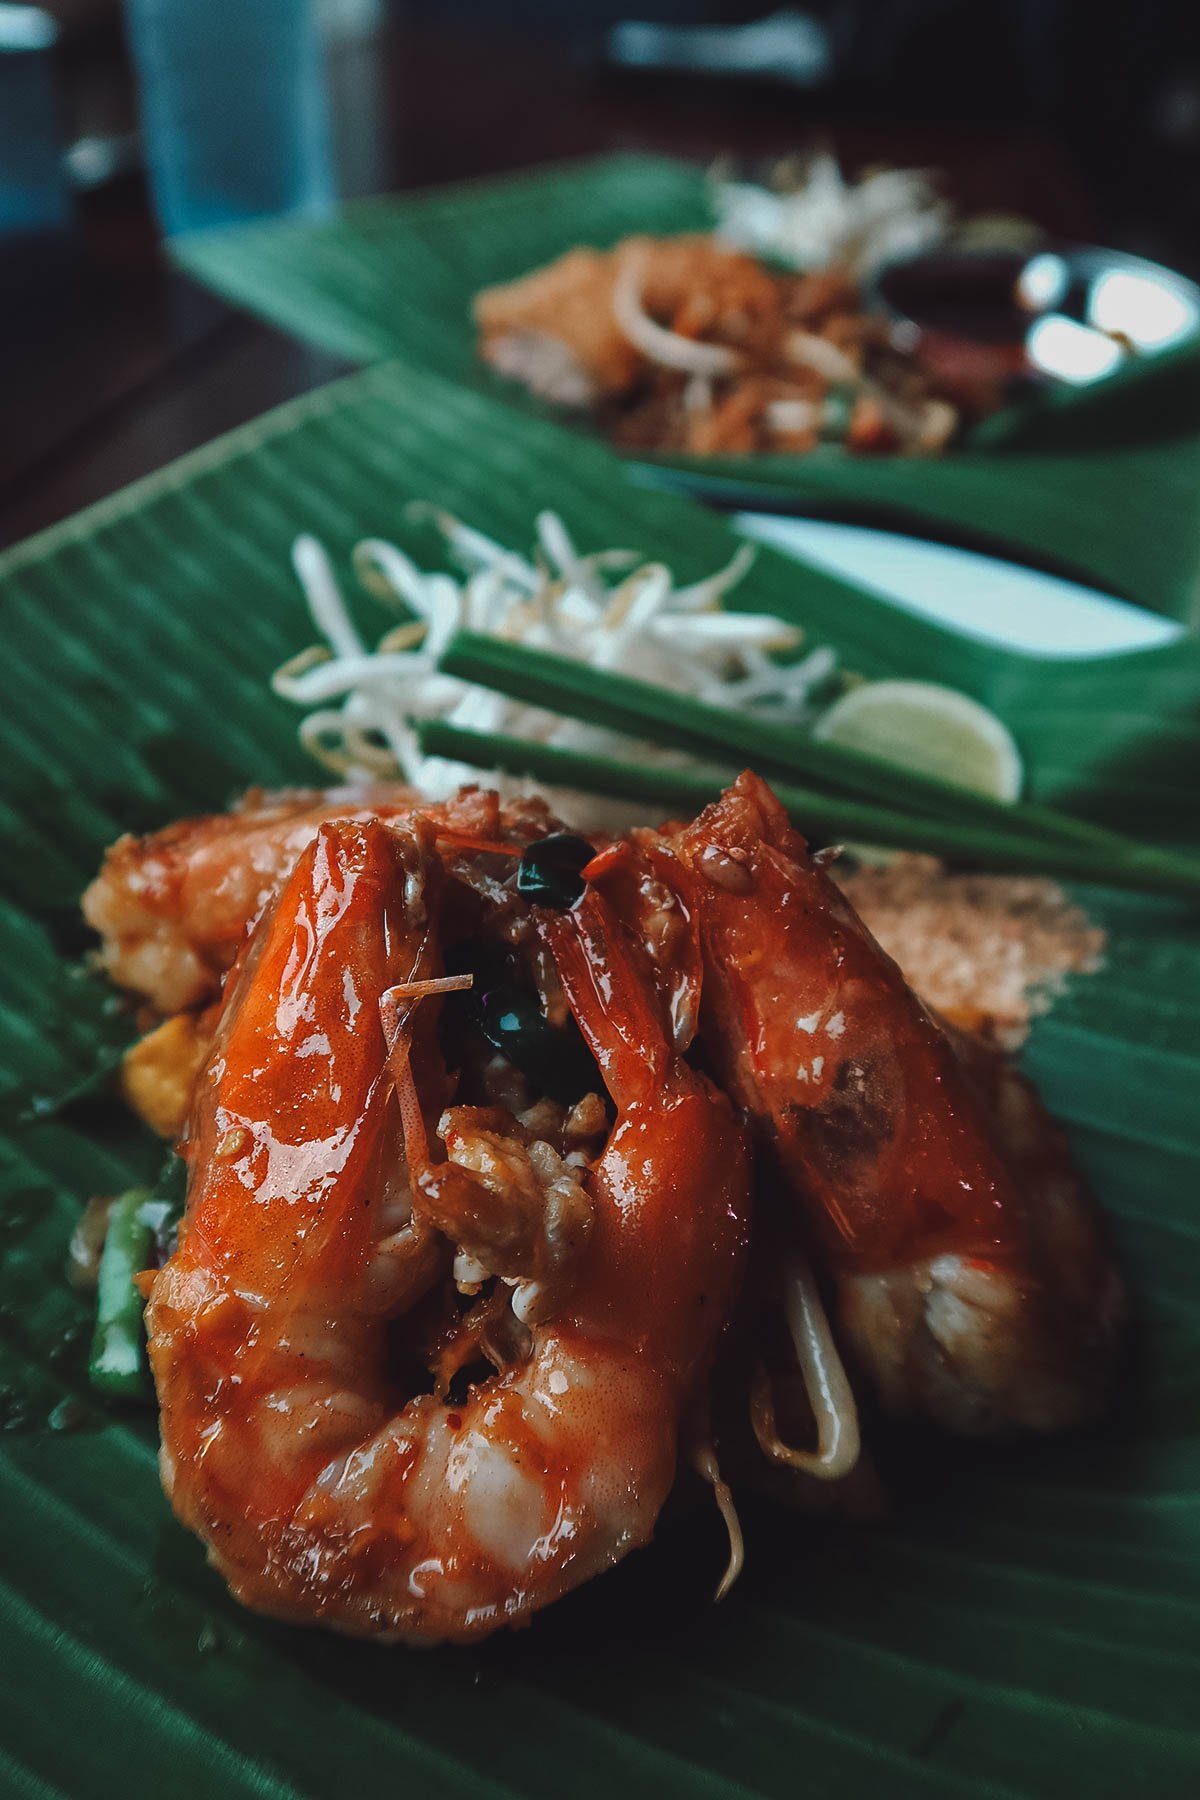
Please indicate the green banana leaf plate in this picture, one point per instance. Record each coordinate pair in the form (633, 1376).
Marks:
(1027, 1622)
(1102, 484)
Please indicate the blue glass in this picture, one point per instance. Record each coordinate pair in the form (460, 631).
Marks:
(235, 109)
(33, 187)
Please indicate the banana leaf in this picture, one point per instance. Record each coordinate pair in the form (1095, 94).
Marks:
(1028, 1620)
(1100, 484)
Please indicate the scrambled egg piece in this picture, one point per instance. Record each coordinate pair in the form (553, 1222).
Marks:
(159, 1071)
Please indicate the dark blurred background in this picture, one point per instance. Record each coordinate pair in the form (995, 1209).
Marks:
(1083, 117)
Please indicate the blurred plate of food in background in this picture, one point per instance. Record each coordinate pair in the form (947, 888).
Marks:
(1098, 483)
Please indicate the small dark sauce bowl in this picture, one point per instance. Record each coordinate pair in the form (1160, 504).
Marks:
(1056, 313)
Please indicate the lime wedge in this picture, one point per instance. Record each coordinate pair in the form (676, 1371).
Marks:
(933, 730)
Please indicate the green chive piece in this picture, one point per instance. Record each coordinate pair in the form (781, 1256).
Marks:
(118, 1362)
(992, 832)
(818, 814)
(836, 414)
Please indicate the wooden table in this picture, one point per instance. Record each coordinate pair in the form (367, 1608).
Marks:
(112, 364)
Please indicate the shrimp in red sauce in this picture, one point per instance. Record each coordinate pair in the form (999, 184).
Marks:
(974, 1283)
(323, 1492)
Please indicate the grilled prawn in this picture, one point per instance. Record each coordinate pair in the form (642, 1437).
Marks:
(172, 909)
(973, 1280)
(318, 1212)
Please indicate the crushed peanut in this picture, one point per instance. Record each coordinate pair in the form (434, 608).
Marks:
(990, 952)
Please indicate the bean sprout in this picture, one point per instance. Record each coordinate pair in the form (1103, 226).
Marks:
(703, 1459)
(825, 218)
(826, 1384)
(364, 704)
